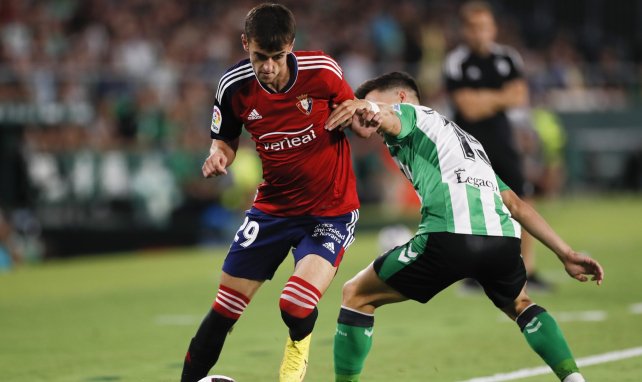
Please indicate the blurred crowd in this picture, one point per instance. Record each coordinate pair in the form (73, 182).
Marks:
(90, 87)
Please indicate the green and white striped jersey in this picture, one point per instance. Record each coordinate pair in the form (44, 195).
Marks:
(451, 173)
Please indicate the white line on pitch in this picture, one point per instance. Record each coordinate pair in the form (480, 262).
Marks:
(177, 319)
(586, 361)
(587, 316)
(636, 308)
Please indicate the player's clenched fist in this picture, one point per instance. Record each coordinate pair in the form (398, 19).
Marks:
(222, 154)
(215, 164)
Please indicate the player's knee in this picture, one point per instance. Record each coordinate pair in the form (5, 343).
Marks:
(353, 295)
(230, 303)
(527, 315)
(518, 306)
(349, 292)
(299, 298)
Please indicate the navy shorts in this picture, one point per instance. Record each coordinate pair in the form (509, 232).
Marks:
(263, 241)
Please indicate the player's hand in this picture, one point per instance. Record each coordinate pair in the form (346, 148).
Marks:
(342, 114)
(580, 266)
(215, 164)
(365, 122)
(356, 114)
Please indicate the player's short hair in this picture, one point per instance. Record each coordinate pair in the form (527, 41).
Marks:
(271, 26)
(388, 81)
(473, 7)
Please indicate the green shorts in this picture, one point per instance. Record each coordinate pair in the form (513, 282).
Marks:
(429, 263)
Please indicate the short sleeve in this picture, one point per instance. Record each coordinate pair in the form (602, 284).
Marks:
(453, 71)
(408, 117)
(340, 90)
(225, 125)
(502, 185)
(516, 64)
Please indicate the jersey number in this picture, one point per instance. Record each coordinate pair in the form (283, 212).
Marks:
(465, 141)
(250, 230)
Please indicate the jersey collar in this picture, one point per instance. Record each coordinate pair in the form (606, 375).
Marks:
(293, 66)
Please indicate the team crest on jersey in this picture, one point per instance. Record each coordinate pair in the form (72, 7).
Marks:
(304, 104)
(217, 119)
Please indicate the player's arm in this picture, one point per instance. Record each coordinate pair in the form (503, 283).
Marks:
(478, 104)
(222, 154)
(366, 118)
(577, 265)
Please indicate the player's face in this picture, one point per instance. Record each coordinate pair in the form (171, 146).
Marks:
(480, 31)
(271, 68)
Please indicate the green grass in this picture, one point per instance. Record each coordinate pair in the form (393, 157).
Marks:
(130, 317)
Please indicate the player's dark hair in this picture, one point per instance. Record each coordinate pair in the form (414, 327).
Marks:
(271, 26)
(388, 81)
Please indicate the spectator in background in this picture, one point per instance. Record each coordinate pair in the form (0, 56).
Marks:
(552, 141)
(9, 254)
(484, 80)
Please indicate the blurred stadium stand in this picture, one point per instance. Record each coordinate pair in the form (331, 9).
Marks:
(105, 105)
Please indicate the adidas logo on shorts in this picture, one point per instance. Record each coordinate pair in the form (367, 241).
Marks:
(254, 115)
(329, 246)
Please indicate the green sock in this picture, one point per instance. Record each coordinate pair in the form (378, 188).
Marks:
(545, 337)
(352, 342)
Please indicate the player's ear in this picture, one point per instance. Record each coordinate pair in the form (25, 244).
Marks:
(402, 96)
(246, 44)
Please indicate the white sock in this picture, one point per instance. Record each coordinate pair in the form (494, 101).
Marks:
(574, 377)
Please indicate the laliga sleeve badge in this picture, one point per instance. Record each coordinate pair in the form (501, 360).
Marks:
(217, 119)
(304, 104)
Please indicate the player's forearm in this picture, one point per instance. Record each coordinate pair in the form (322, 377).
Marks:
(227, 148)
(514, 94)
(390, 123)
(535, 224)
(475, 105)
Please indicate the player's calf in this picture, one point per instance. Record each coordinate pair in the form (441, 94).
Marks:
(298, 304)
(299, 312)
(546, 339)
(206, 346)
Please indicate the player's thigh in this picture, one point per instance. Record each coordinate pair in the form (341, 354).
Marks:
(500, 269)
(316, 270)
(259, 246)
(322, 241)
(421, 268)
(246, 287)
(366, 291)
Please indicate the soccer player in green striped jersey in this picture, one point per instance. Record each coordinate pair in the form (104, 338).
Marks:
(470, 228)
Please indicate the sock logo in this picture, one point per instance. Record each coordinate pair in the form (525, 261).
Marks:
(533, 326)
(368, 332)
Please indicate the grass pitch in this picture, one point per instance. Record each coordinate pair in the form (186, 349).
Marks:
(129, 317)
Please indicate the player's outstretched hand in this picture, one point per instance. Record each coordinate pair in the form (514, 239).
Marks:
(215, 164)
(580, 266)
(356, 114)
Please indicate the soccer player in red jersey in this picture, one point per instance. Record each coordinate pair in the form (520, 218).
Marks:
(308, 200)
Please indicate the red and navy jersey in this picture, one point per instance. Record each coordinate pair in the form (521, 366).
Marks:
(307, 170)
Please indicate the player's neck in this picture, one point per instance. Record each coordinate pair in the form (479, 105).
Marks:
(280, 82)
(484, 50)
